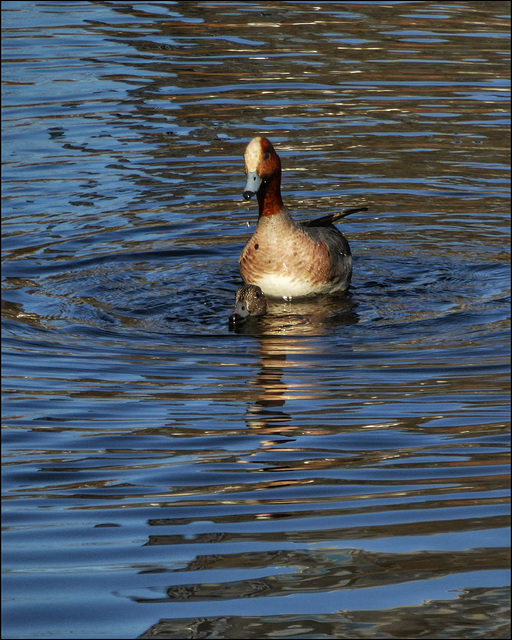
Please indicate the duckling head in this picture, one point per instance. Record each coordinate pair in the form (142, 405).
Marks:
(250, 302)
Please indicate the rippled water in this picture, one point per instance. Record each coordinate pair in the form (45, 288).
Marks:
(337, 469)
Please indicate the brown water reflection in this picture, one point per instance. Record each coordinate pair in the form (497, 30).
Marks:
(481, 611)
(330, 570)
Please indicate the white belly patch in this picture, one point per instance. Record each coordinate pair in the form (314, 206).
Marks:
(287, 287)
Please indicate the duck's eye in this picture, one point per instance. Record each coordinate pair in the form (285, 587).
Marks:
(257, 294)
(266, 156)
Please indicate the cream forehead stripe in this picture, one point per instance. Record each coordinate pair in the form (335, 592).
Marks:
(252, 154)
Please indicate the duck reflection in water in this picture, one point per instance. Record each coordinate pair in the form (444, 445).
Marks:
(291, 348)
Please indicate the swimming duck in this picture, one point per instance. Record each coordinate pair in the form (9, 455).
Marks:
(250, 302)
(285, 258)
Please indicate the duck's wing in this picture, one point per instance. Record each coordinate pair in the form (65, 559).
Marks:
(328, 221)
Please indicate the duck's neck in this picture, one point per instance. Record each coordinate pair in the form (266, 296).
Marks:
(269, 196)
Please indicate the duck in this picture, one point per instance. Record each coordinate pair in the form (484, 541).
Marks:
(284, 258)
(250, 302)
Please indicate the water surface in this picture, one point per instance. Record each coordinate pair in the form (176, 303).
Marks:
(337, 469)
